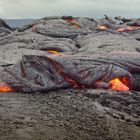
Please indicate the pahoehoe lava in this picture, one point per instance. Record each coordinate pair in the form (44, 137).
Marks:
(70, 78)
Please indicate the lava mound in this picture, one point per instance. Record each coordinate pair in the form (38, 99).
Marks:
(70, 52)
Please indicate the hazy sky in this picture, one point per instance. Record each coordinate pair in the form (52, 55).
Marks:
(90, 8)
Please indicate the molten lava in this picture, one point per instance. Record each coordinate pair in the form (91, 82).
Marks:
(72, 22)
(129, 28)
(52, 52)
(117, 84)
(5, 88)
(102, 28)
(66, 76)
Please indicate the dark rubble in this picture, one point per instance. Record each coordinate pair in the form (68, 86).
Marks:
(56, 53)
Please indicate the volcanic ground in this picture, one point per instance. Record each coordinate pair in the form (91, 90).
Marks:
(55, 75)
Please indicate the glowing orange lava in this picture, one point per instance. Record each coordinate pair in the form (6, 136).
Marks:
(129, 28)
(52, 52)
(117, 84)
(103, 28)
(5, 88)
(73, 23)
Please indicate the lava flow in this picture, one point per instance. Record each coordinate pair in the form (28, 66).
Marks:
(72, 22)
(67, 77)
(129, 28)
(5, 88)
(102, 28)
(52, 52)
(117, 84)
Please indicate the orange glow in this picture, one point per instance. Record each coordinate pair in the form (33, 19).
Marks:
(71, 81)
(129, 28)
(52, 52)
(103, 28)
(117, 84)
(5, 88)
(67, 77)
(73, 23)
(121, 30)
(76, 26)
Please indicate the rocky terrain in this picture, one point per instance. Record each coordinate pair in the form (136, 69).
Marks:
(62, 112)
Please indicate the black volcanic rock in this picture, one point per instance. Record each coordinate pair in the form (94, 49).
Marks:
(55, 53)
(4, 24)
(73, 38)
(4, 28)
